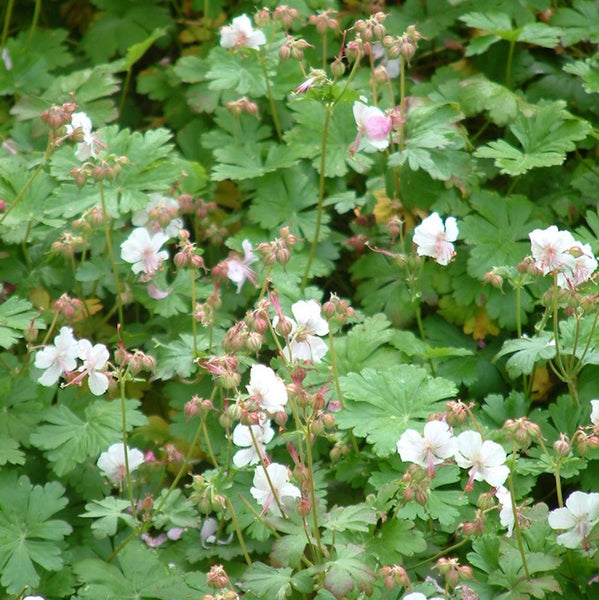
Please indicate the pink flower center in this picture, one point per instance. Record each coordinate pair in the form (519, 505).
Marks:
(378, 127)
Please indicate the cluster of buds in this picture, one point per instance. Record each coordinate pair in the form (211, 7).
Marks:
(585, 442)
(188, 205)
(135, 361)
(324, 21)
(57, 117)
(205, 312)
(197, 406)
(243, 105)
(523, 431)
(417, 484)
(476, 526)
(69, 308)
(452, 571)
(404, 45)
(322, 422)
(68, 244)
(337, 310)
(394, 576)
(217, 578)
(187, 255)
(358, 242)
(205, 492)
(108, 168)
(262, 17)
(293, 48)
(394, 227)
(278, 250)
(372, 28)
(224, 370)
(494, 279)
(317, 78)
(223, 595)
(456, 412)
(356, 49)
(90, 220)
(285, 15)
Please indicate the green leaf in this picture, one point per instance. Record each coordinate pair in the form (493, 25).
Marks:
(136, 574)
(478, 94)
(588, 71)
(28, 537)
(177, 511)
(108, 512)
(136, 51)
(288, 197)
(396, 539)
(10, 453)
(261, 581)
(348, 571)
(176, 357)
(237, 72)
(497, 231)
(381, 406)
(526, 353)
(578, 22)
(15, 316)
(545, 138)
(356, 517)
(71, 437)
(434, 143)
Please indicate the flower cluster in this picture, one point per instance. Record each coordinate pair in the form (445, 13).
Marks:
(61, 359)
(555, 251)
(484, 459)
(80, 129)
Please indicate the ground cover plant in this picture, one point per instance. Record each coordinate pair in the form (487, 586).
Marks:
(299, 301)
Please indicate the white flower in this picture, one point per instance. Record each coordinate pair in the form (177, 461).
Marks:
(434, 238)
(267, 388)
(594, 412)
(550, 249)
(86, 148)
(238, 269)
(112, 462)
(242, 437)
(308, 323)
(94, 360)
(418, 596)
(284, 490)
(241, 34)
(585, 264)
(143, 251)
(34, 598)
(436, 444)
(161, 215)
(57, 359)
(506, 514)
(207, 534)
(484, 459)
(579, 516)
(374, 128)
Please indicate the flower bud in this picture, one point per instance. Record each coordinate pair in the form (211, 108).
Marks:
(337, 67)
(304, 506)
(217, 577)
(562, 446)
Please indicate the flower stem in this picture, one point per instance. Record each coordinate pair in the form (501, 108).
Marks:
(34, 21)
(323, 149)
(271, 101)
(115, 271)
(7, 17)
(248, 560)
(125, 448)
(194, 327)
(515, 512)
(310, 466)
(508, 66)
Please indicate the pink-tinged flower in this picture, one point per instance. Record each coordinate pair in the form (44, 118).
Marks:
(308, 324)
(59, 358)
(434, 238)
(594, 412)
(578, 517)
(143, 251)
(242, 437)
(584, 265)
(112, 462)
(374, 128)
(207, 534)
(154, 542)
(506, 513)
(262, 491)
(550, 249)
(94, 362)
(486, 460)
(431, 448)
(267, 389)
(160, 215)
(418, 596)
(156, 293)
(241, 34)
(87, 148)
(239, 270)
